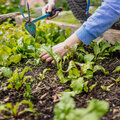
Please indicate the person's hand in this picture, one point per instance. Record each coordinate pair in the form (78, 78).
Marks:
(48, 8)
(59, 48)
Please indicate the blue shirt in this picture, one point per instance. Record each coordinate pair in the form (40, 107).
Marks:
(103, 18)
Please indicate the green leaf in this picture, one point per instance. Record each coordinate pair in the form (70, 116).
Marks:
(24, 71)
(99, 41)
(93, 86)
(15, 108)
(85, 86)
(88, 58)
(96, 49)
(89, 74)
(7, 72)
(105, 46)
(18, 84)
(64, 107)
(86, 66)
(71, 65)
(28, 91)
(115, 48)
(116, 80)
(28, 103)
(42, 76)
(3, 108)
(95, 110)
(15, 58)
(74, 73)
(61, 76)
(25, 78)
(107, 88)
(77, 85)
(117, 69)
(98, 67)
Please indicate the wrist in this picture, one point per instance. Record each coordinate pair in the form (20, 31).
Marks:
(73, 39)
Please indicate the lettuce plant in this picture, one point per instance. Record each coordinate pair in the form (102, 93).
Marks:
(65, 109)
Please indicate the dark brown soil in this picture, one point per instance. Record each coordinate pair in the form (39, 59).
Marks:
(44, 100)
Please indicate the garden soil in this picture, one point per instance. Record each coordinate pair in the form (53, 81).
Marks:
(45, 92)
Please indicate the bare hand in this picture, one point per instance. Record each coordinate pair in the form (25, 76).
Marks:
(59, 48)
(48, 8)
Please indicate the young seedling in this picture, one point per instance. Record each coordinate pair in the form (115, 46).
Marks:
(106, 88)
(42, 76)
(99, 67)
(116, 80)
(16, 111)
(93, 86)
(18, 81)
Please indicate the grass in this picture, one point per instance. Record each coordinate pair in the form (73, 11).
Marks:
(67, 18)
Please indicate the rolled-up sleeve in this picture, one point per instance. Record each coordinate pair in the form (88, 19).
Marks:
(103, 18)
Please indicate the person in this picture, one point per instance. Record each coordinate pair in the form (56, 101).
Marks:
(96, 24)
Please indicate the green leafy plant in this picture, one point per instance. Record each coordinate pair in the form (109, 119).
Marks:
(16, 111)
(106, 88)
(98, 67)
(116, 80)
(18, 81)
(101, 50)
(65, 110)
(16, 44)
(114, 48)
(7, 72)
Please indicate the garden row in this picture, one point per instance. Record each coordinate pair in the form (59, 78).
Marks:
(84, 84)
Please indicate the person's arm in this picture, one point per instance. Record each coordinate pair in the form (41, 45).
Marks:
(103, 18)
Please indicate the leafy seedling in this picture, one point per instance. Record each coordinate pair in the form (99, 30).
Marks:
(99, 67)
(16, 111)
(116, 80)
(106, 88)
(42, 76)
(93, 86)
(18, 81)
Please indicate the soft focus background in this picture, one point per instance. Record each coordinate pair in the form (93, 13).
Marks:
(8, 6)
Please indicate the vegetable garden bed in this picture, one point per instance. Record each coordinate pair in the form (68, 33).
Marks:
(32, 89)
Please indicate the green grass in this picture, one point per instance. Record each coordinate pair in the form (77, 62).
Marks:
(67, 18)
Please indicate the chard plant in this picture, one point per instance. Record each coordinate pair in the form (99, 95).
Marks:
(101, 50)
(18, 81)
(65, 110)
(17, 110)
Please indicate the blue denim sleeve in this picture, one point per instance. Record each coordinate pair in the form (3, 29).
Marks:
(103, 18)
